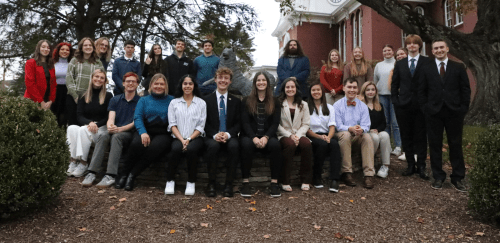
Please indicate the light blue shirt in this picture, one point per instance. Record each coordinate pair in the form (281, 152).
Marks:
(346, 117)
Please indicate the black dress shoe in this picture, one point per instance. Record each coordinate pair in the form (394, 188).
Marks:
(210, 191)
(129, 185)
(437, 184)
(228, 190)
(409, 171)
(459, 186)
(422, 173)
(121, 182)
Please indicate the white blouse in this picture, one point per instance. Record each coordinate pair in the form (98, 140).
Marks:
(187, 119)
(321, 123)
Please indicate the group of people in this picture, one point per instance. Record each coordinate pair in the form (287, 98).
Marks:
(177, 118)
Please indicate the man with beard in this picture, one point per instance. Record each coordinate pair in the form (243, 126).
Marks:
(293, 63)
(178, 65)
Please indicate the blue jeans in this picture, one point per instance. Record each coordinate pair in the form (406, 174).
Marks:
(390, 116)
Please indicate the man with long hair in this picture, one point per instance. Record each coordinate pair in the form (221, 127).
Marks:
(293, 63)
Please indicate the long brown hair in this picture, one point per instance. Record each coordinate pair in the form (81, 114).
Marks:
(253, 98)
(310, 101)
(300, 52)
(155, 66)
(329, 63)
(108, 52)
(364, 64)
(376, 102)
(38, 56)
(79, 51)
(102, 94)
(297, 98)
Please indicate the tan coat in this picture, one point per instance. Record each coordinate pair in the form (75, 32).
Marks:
(301, 121)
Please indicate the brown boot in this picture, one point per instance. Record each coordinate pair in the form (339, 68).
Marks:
(369, 182)
(348, 180)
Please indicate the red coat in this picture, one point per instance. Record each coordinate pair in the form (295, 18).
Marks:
(36, 84)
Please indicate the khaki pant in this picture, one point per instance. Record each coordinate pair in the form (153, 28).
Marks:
(346, 141)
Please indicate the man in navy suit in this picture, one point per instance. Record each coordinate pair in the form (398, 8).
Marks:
(293, 63)
(404, 95)
(222, 128)
(444, 96)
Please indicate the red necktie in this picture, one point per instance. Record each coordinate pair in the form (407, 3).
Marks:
(353, 103)
(441, 70)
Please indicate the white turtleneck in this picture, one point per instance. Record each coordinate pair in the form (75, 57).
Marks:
(61, 67)
(381, 75)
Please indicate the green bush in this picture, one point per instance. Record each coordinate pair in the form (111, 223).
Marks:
(484, 177)
(33, 156)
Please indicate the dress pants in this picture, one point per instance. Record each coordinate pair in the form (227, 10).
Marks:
(248, 151)
(139, 158)
(194, 147)
(80, 139)
(288, 149)
(212, 157)
(411, 122)
(346, 141)
(320, 149)
(118, 142)
(452, 121)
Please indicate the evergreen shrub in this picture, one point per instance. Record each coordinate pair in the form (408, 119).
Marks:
(33, 156)
(484, 177)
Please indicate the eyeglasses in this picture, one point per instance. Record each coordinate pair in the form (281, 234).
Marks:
(130, 81)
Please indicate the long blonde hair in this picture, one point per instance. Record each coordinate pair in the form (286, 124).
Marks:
(376, 101)
(364, 64)
(108, 52)
(102, 94)
(329, 63)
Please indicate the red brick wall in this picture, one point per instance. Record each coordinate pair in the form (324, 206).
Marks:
(317, 40)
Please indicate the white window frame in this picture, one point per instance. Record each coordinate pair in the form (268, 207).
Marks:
(459, 18)
(360, 28)
(420, 10)
(354, 32)
(344, 42)
(448, 20)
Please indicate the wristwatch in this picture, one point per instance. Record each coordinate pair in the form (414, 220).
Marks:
(189, 139)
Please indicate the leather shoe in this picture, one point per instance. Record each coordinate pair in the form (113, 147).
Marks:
(121, 182)
(437, 184)
(422, 173)
(409, 171)
(228, 190)
(368, 184)
(129, 185)
(348, 180)
(210, 191)
(459, 186)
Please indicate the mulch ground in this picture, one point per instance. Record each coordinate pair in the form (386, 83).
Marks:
(398, 209)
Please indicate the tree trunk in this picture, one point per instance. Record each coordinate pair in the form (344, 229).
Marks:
(88, 13)
(145, 29)
(480, 50)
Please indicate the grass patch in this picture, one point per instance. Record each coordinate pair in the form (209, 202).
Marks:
(470, 137)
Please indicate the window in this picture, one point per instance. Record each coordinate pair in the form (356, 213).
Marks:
(419, 10)
(342, 39)
(458, 13)
(360, 28)
(354, 31)
(447, 14)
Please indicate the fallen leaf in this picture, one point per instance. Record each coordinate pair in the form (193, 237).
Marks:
(253, 202)
(82, 229)
(101, 191)
(119, 204)
(122, 199)
(341, 191)
(252, 209)
(204, 225)
(288, 230)
(248, 200)
(349, 238)
(209, 207)
(203, 210)
(363, 198)
(292, 197)
(171, 231)
(420, 220)
(82, 234)
(150, 191)
(266, 236)
(113, 197)
(112, 208)
(338, 236)
(317, 227)
(217, 201)
(451, 237)
(351, 201)
(480, 233)
(468, 233)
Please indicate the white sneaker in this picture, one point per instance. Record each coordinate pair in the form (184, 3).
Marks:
(89, 179)
(396, 151)
(402, 157)
(71, 168)
(383, 171)
(80, 170)
(106, 181)
(170, 188)
(189, 189)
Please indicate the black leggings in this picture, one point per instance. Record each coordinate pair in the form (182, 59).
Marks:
(247, 153)
(139, 158)
(194, 147)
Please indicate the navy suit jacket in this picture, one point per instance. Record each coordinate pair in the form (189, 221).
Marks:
(453, 90)
(299, 70)
(404, 87)
(233, 114)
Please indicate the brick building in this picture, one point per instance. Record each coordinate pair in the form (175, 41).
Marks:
(321, 25)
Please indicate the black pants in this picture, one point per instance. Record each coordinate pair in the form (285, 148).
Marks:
(452, 121)
(139, 158)
(320, 149)
(247, 153)
(59, 105)
(411, 123)
(212, 157)
(71, 110)
(176, 154)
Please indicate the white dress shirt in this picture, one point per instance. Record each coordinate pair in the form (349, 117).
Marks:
(416, 60)
(321, 123)
(438, 63)
(187, 118)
